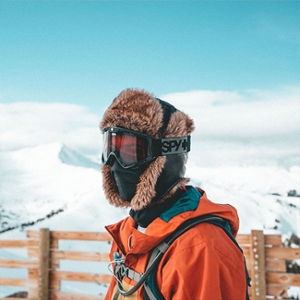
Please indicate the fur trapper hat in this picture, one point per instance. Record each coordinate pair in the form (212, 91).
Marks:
(140, 111)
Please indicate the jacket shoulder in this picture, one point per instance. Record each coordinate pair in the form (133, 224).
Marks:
(203, 263)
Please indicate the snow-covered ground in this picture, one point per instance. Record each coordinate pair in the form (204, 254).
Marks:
(53, 179)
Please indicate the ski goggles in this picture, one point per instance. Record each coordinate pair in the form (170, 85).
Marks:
(132, 148)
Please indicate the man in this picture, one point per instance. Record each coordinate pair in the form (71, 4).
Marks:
(145, 146)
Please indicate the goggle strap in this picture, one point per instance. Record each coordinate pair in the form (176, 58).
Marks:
(174, 145)
(168, 110)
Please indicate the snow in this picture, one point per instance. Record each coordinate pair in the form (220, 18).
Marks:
(258, 193)
(38, 180)
(52, 177)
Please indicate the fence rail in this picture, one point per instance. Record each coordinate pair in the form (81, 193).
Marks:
(265, 255)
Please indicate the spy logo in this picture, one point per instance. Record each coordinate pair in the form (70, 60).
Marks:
(175, 145)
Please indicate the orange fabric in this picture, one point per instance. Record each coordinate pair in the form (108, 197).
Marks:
(202, 264)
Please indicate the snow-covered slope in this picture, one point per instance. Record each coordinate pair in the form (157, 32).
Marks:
(60, 188)
(51, 180)
(259, 194)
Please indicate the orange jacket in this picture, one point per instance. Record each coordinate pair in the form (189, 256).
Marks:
(202, 264)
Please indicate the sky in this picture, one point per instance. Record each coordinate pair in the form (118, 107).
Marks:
(232, 65)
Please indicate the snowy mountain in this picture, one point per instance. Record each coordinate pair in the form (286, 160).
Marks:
(54, 186)
(51, 179)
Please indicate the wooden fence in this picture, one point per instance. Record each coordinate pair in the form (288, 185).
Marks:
(265, 255)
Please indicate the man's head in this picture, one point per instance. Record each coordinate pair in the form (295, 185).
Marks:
(145, 147)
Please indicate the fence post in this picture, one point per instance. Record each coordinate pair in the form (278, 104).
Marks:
(258, 274)
(44, 252)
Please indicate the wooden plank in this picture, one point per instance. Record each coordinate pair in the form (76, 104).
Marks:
(33, 273)
(287, 279)
(275, 265)
(18, 243)
(18, 263)
(75, 255)
(24, 282)
(33, 252)
(283, 253)
(243, 239)
(53, 244)
(257, 265)
(34, 277)
(33, 234)
(250, 293)
(10, 298)
(82, 236)
(54, 264)
(83, 277)
(44, 250)
(246, 251)
(273, 240)
(54, 284)
(270, 239)
(54, 295)
(33, 293)
(277, 290)
(5, 281)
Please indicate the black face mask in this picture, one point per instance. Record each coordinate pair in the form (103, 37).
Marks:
(172, 173)
(147, 215)
(126, 179)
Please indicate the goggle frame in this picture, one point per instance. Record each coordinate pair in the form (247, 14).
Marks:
(155, 148)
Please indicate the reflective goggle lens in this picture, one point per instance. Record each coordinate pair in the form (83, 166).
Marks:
(129, 149)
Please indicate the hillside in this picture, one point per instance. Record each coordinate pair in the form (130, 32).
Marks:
(52, 180)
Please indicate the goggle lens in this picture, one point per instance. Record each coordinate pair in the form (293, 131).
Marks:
(128, 149)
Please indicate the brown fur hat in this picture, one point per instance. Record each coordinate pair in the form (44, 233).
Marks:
(140, 111)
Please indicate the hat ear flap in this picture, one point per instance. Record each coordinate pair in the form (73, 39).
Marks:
(145, 190)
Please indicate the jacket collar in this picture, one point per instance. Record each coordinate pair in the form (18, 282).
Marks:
(192, 203)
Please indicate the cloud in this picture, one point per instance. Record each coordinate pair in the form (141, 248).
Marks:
(252, 126)
(250, 114)
(27, 124)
